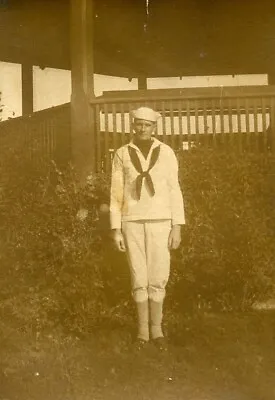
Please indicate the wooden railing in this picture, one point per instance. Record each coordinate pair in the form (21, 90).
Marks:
(43, 135)
(239, 119)
(225, 118)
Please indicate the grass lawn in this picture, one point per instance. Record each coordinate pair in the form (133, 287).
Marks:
(211, 357)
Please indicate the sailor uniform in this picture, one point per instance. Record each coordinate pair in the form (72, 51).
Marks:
(148, 256)
(166, 203)
(146, 201)
(144, 174)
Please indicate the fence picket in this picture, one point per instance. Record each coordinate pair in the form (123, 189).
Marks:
(231, 119)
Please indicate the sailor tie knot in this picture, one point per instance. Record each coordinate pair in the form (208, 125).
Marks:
(144, 174)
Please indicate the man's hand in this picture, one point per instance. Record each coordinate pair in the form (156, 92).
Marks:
(118, 240)
(174, 237)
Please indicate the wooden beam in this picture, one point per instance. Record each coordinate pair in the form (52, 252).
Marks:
(82, 73)
(27, 89)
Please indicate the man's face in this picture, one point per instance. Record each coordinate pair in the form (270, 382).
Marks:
(144, 129)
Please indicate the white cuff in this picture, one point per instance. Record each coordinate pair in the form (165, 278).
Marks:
(115, 221)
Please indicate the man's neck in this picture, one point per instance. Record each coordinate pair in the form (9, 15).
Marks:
(141, 141)
(144, 145)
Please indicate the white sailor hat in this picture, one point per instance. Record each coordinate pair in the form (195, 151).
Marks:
(146, 113)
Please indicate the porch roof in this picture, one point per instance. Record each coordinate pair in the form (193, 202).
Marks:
(175, 38)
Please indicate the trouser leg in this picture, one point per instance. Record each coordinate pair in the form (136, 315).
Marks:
(158, 264)
(134, 236)
(149, 261)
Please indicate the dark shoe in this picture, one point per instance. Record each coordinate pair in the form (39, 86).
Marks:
(160, 343)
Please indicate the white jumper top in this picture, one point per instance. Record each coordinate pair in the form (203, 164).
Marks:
(167, 202)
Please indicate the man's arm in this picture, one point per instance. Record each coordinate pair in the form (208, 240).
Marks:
(174, 239)
(118, 240)
(116, 202)
(177, 205)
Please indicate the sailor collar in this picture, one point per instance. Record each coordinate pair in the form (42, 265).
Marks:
(155, 141)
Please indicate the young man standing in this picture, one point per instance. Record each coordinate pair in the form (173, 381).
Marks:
(147, 212)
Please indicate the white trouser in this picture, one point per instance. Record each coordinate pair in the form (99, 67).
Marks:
(148, 256)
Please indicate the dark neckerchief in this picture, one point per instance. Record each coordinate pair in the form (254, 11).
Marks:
(144, 174)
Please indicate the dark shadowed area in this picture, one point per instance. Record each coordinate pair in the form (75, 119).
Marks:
(175, 38)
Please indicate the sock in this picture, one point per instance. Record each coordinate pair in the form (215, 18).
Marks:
(143, 320)
(156, 319)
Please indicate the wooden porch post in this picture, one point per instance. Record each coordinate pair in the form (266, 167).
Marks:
(82, 73)
(142, 83)
(27, 89)
(271, 128)
(271, 78)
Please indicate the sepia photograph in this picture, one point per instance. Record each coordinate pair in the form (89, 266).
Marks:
(137, 200)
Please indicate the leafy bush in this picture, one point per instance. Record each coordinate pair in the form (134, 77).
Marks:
(227, 258)
(58, 267)
(52, 258)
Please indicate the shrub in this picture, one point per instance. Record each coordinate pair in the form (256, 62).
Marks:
(52, 253)
(58, 266)
(227, 258)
